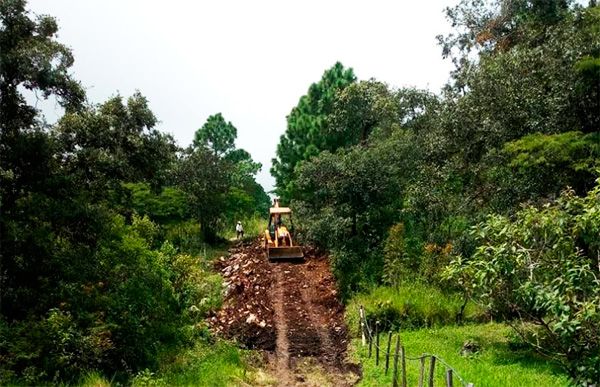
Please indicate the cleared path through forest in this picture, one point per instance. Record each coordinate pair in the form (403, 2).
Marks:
(291, 312)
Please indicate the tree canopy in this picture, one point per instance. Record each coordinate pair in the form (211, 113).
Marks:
(216, 134)
(306, 133)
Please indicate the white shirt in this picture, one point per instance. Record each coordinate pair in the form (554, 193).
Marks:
(239, 227)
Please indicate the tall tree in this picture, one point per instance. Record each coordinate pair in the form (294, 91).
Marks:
(30, 59)
(204, 177)
(216, 134)
(498, 25)
(306, 133)
(115, 142)
(218, 178)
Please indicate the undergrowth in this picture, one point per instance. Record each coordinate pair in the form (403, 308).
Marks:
(253, 227)
(412, 306)
(496, 363)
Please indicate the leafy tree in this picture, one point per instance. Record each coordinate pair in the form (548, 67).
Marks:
(348, 200)
(115, 142)
(31, 59)
(539, 166)
(245, 168)
(542, 268)
(170, 205)
(204, 177)
(219, 178)
(492, 26)
(359, 109)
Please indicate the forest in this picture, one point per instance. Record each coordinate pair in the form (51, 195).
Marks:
(486, 195)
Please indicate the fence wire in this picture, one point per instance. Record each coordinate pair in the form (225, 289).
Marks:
(365, 327)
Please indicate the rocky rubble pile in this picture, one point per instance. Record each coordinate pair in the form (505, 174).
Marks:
(247, 314)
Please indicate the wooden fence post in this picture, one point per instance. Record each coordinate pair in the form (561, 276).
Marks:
(370, 340)
(432, 371)
(449, 380)
(361, 314)
(387, 354)
(422, 370)
(395, 375)
(376, 343)
(360, 331)
(403, 366)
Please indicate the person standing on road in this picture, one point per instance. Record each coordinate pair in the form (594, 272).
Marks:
(240, 230)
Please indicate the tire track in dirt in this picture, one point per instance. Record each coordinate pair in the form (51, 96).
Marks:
(318, 319)
(282, 344)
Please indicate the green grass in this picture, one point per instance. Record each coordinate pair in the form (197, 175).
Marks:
(494, 365)
(206, 364)
(411, 306)
(217, 364)
(94, 379)
(253, 227)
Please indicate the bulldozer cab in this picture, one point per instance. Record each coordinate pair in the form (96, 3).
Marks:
(278, 219)
(279, 243)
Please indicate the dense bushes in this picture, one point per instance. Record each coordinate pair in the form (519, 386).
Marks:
(542, 269)
(137, 301)
(414, 305)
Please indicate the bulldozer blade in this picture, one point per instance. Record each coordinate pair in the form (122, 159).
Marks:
(276, 253)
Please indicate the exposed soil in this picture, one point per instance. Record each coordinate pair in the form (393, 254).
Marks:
(289, 310)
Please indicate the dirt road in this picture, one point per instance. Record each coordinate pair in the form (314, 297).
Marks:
(291, 312)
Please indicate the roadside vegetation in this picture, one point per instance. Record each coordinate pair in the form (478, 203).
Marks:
(441, 212)
(499, 361)
(107, 227)
(413, 306)
(479, 203)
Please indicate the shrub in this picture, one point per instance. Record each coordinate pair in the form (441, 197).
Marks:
(144, 227)
(356, 267)
(52, 348)
(187, 236)
(197, 290)
(542, 269)
(115, 316)
(396, 264)
(434, 260)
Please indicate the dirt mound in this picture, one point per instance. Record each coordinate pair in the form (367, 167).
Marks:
(290, 310)
(247, 314)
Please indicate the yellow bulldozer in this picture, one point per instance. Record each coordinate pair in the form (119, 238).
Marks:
(279, 244)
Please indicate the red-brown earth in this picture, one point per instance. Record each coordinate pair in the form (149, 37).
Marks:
(288, 310)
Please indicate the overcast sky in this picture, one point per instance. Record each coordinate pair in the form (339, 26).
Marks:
(250, 60)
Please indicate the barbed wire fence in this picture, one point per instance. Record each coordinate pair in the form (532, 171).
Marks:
(370, 337)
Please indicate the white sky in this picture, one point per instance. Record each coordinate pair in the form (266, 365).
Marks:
(250, 60)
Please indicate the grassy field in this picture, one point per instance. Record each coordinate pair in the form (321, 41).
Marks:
(413, 305)
(219, 364)
(496, 364)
